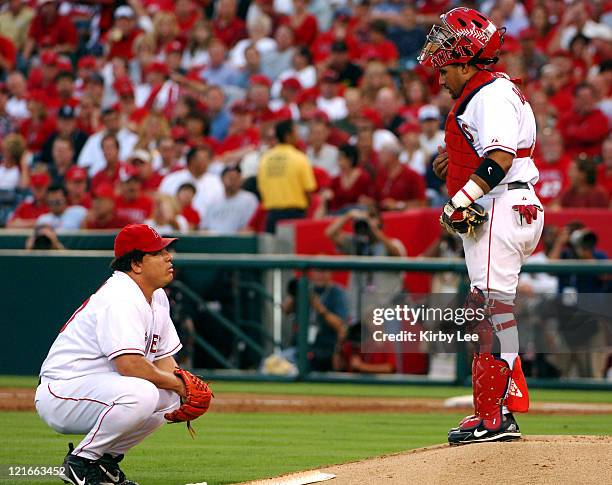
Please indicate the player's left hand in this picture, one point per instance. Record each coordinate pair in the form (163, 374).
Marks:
(196, 401)
(463, 220)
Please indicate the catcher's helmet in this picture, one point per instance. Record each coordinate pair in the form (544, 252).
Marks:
(465, 36)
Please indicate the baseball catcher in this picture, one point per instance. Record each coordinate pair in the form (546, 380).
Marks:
(489, 171)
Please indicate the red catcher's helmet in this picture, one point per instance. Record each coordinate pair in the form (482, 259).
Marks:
(465, 36)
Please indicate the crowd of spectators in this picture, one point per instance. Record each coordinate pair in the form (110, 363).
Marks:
(160, 111)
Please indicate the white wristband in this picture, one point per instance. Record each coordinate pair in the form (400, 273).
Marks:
(468, 194)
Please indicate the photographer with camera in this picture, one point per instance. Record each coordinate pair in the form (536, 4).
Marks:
(43, 238)
(378, 288)
(327, 319)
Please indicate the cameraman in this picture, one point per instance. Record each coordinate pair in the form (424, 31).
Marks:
(328, 316)
(43, 238)
(377, 288)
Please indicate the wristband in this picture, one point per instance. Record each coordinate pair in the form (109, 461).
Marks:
(467, 194)
(491, 172)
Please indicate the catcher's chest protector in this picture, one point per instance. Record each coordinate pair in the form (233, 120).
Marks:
(462, 157)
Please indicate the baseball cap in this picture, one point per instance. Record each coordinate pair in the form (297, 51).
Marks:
(87, 62)
(260, 79)
(291, 83)
(429, 112)
(104, 191)
(174, 46)
(140, 154)
(140, 237)
(124, 11)
(66, 112)
(76, 173)
(40, 180)
(409, 127)
(128, 172)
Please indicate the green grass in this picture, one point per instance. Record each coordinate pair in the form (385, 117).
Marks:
(373, 390)
(235, 447)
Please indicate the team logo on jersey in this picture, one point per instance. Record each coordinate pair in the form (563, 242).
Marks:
(152, 344)
(466, 130)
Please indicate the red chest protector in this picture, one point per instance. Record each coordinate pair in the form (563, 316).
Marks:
(462, 157)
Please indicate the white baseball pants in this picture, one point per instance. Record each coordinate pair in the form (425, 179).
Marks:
(115, 412)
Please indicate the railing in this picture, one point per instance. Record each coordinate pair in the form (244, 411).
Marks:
(303, 263)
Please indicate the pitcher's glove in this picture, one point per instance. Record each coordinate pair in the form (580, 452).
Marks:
(463, 220)
(196, 402)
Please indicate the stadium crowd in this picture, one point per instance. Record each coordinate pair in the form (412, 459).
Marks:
(161, 111)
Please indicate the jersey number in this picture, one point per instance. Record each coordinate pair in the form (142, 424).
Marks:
(74, 315)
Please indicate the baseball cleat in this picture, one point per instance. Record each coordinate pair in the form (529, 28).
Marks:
(79, 471)
(509, 430)
(110, 471)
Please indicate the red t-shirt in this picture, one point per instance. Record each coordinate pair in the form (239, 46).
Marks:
(152, 183)
(37, 132)
(123, 47)
(8, 51)
(405, 185)
(85, 202)
(28, 209)
(346, 195)
(104, 177)
(117, 222)
(230, 33)
(135, 210)
(553, 179)
(594, 197)
(584, 133)
(239, 140)
(192, 216)
(306, 32)
(59, 31)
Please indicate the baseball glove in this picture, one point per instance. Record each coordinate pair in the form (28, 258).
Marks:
(196, 402)
(463, 220)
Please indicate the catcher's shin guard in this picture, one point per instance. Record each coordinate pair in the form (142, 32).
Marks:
(490, 385)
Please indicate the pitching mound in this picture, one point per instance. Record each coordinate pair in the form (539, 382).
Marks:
(535, 459)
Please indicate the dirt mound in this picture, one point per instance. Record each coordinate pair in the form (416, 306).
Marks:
(535, 459)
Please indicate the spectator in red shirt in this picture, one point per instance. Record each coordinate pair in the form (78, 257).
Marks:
(120, 38)
(40, 125)
(103, 214)
(226, 24)
(379, 47)
(349, 187)
(49, 28)
(553, 164)
(141, 160)
(303, 24)
(585, 128)
(110, 173)
(187, 15)
(131, 203)
(76, 186)
(242, 137)
(398, 187)
(29, 210)
(583, 192)
(8, 55)
(184, 196)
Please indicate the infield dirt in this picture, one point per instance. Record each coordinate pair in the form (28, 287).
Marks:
(534, 459)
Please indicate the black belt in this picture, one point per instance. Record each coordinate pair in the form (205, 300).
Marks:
(518, 185)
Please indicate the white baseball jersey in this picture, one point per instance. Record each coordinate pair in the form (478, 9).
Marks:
(115, 320)
(499, 117)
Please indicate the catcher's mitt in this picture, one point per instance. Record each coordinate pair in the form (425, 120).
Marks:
(195, 403)
(463, 220)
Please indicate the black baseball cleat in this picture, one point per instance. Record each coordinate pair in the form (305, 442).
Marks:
(110, 471)
(79, 471)
(509, 430)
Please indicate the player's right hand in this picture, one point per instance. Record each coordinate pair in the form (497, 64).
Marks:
(440, 163)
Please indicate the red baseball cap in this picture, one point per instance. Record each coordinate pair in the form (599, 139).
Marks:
(40, 180)
(76, 173)
(141, 237)
(260, 79)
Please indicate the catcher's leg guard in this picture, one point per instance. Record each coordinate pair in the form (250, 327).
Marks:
(490, 389)
(517, 398)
